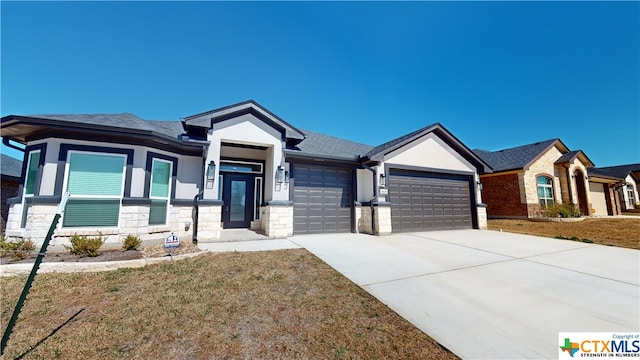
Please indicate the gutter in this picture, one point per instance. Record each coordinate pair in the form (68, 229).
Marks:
(6, 142)
(375, 194)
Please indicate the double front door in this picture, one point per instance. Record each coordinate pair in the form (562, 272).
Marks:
(238, 198)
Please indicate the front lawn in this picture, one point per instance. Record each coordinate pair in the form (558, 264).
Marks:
(604, 231)
(277, 304)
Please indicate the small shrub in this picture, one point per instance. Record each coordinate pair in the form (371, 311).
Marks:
(84, 245)
(561, 210)
(131, 242)
(17, 250)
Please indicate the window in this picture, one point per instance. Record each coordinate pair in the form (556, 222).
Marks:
(545, 190)
(258, 198)
(630, 195)
(95, 181)
(31, 178)
(160, 191)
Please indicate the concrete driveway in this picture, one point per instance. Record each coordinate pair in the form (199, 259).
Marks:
(491, 295)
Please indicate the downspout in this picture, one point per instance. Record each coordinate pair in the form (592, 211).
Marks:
(199, 196)
(6, 142)
(375, 194)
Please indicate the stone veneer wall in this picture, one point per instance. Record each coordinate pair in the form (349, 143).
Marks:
(382, 218)
(277, 220)
(209, 222)
(482, 218)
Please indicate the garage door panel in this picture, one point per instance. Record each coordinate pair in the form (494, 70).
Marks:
(428, 201)
(322, 199)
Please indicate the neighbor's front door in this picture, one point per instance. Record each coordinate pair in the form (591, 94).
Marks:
(237, 195)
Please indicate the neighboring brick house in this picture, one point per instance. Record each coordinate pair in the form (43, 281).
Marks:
(527, 178)
(628, 187)
(11, 170)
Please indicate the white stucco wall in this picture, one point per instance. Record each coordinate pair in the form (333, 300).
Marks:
(364, 184)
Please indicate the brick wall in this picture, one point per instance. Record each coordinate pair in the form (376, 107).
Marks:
(501, 193)
(9, 189)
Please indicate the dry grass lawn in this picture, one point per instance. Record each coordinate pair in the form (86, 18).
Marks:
(278, 304)
(613, 232)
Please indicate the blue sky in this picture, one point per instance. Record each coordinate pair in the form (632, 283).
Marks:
(496, 74)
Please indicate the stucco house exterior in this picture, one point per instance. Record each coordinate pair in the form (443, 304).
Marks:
(628, 186)
(240, 166)
(11, 169)
(528, 178)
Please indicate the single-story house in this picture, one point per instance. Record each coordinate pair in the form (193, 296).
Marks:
(11, 169)
(628, 189)
(240, 166)
(528, 178)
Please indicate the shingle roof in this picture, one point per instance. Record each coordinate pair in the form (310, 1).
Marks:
(397, 141)
(514, 158)
(620, 171)
(328, 146)
(10, 166)
(568, 157)
(124, 120)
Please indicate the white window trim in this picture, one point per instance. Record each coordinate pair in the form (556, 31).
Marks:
(168, 197)
(24, 217)
(549, 186)
(257, 195)
(222, 162)
(66, 183)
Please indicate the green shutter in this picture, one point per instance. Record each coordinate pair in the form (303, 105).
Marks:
(160, 175)
(91, 212)
(158, 212)
(32, 173)
(95, 174)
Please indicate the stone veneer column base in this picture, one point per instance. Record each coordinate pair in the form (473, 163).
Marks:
(482, 216)
(209, 222)
(382, 218)
(277, 219)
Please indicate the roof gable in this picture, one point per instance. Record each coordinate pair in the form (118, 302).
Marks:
(572, 155)
(206, 120)
(378, 152)
(519, 157)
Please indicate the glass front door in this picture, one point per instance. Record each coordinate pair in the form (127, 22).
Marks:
(237, 196)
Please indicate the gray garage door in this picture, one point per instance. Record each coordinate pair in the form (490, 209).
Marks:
(321, 199)
(422, 201)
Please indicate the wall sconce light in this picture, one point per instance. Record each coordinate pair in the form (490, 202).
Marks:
(187, 225)
(383, 180)
(287, 177)
(211, 170)
(280, 175)
(479, 185)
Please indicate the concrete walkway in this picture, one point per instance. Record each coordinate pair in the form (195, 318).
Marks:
(492, 295)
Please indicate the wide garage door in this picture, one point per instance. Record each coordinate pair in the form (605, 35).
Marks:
(321, 199)
(422, 201)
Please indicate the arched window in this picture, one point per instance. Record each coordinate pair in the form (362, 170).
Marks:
(545, 190)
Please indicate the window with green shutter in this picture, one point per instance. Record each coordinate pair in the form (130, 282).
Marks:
(160, 191)
(95, 182)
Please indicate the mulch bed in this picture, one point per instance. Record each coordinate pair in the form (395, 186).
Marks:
(108, 255)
